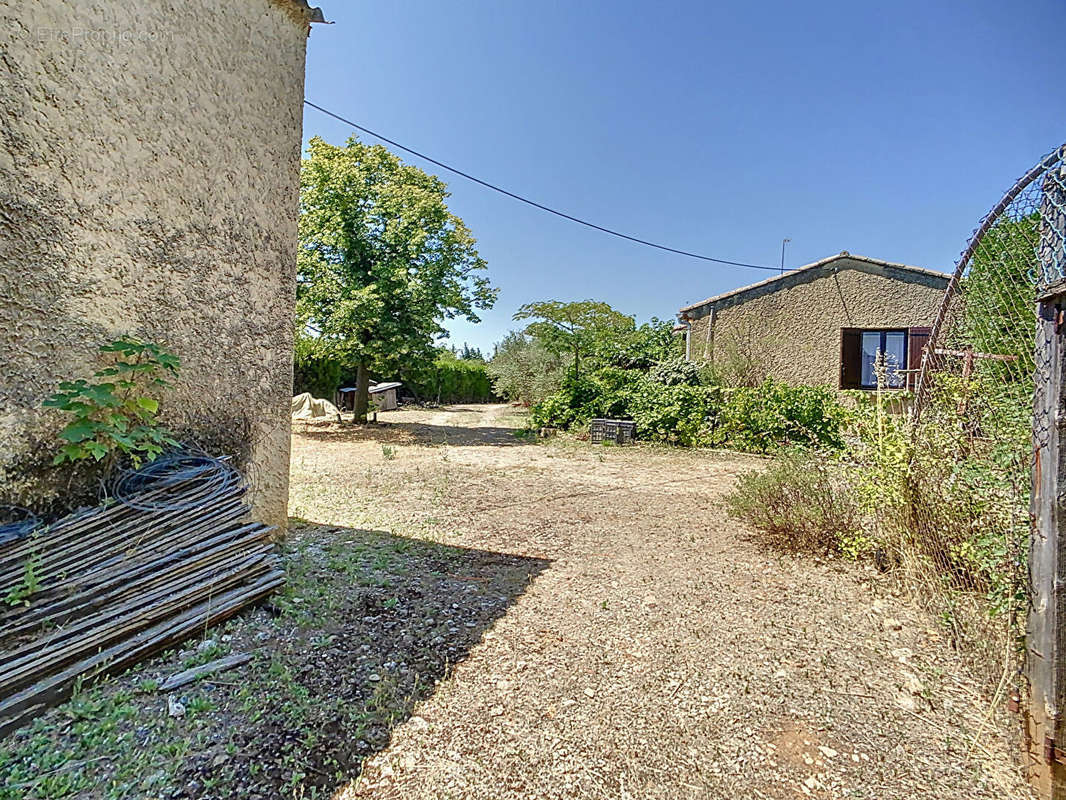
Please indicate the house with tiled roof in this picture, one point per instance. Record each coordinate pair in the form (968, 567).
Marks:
(823, 323)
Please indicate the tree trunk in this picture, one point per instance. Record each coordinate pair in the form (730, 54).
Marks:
(362, 392)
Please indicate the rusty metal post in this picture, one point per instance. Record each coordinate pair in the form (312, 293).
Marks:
(1046, 625)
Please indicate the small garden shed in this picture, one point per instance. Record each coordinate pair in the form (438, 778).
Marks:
(823, 323)
(384, 395)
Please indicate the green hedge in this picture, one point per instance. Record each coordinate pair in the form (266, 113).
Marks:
(318, 375)
(445, 380)
(451, 380)
(758, 419)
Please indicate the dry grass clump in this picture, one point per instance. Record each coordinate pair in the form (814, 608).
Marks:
(800, 503)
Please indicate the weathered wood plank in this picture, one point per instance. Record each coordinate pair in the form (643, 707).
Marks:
(55, 688)
(1046, 625)
(188, 676)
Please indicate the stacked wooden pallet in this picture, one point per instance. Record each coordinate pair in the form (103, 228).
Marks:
(106, 587)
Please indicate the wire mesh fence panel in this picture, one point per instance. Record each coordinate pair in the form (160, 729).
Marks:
(962, 533)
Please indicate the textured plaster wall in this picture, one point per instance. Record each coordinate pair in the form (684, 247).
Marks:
(795, 330)
(149, 165)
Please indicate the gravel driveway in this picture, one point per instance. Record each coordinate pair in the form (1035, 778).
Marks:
(661, 653)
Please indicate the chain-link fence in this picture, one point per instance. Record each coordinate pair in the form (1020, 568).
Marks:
(963, 528)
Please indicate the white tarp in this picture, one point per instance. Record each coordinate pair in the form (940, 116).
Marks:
(304, 406)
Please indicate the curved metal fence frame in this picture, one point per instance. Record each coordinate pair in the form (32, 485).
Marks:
(1049, 162)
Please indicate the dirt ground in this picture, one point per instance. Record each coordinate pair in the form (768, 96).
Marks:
(472, 613)
(661, 653)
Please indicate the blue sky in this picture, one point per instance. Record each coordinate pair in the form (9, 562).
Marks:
(886, 129)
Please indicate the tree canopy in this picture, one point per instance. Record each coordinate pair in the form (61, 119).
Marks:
(635, 347)
(382, 261)
(523, 370)
(574, 327)
(999, 294)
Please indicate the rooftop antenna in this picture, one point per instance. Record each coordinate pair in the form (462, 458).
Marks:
(783, 243)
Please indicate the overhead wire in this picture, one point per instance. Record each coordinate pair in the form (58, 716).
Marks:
(534, 203)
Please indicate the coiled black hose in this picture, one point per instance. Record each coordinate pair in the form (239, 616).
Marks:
(16, 522)
(180, 481)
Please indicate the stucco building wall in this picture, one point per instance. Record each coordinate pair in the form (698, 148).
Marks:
(792, 325)
(149, 170)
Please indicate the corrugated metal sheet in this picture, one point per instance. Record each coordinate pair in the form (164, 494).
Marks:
(384, 387)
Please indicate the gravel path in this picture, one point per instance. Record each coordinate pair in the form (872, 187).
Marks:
(662, 653)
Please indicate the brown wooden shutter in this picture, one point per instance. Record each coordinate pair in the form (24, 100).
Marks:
(917, 339)
(850, 358)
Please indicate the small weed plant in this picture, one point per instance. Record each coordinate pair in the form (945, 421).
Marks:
(21, 592)
(116, 413)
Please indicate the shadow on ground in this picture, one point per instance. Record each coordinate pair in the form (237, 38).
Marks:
(367, 626)
(380, 619)
(416, 433)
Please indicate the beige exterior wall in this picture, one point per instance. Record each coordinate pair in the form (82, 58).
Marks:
(793, 327)
(149, 171)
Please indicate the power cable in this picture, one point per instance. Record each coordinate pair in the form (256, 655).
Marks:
(534, 203)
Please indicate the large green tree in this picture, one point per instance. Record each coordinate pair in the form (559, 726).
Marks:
(382, 261)
(573, 328)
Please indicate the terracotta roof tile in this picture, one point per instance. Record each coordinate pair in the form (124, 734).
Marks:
(843, 256)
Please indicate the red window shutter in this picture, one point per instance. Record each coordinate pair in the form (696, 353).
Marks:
(850, 358)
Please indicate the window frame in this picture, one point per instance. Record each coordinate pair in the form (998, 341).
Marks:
(907, 334)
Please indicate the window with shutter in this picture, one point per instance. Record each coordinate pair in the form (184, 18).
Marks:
(859, 349)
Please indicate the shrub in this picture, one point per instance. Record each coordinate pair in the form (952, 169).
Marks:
(553, 411)
(608, 393)
(459, 381)
(677, 372)
(1000, 294)
(578, 401)
(639, 348)
(801, 503)
(117, 413)
(451, 380)
(768, 417)
(313, 371)
(523, 370)
(527, 367)
(950, 498)
(676, 414)
(774, 415)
